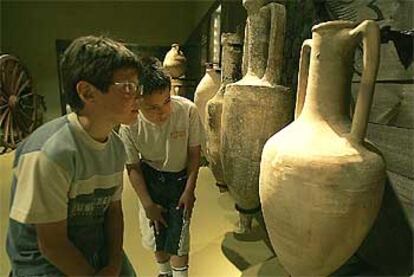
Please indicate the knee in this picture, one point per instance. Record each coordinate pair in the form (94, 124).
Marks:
(179, 261)
(161, 256)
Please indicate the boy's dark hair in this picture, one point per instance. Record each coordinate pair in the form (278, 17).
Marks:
(154, 77)
(94, 60)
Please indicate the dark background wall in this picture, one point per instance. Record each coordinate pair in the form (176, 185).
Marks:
(29, 30)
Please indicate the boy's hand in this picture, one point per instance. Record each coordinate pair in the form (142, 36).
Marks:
(187, 200)
(154, 214)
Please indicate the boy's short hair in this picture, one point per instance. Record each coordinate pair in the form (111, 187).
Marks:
(154, 77)
(94, 60)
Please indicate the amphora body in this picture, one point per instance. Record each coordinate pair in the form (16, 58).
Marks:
(321, 184)
(255, 107)
(231, 72)
(206, 89)
(175, 62)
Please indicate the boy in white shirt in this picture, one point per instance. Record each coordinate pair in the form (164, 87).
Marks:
(163, 155)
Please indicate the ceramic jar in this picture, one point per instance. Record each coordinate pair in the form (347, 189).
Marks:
(206, 89)
(321, 183)
(254, 108)
(175, 61)
(231, 72)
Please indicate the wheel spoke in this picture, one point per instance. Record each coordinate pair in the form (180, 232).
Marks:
(13, 78)
(16, 87)
(10, 70)
(26, 106)
(26, 95)
(26, 121)
(3, 100)
(3, 117)
(2, 92)
(11, 119)
(19, 128)
(20, 134)
(3, 81)
(25, 84)
(6, 130)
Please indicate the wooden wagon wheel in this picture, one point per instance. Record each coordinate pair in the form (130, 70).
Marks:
(20, 107)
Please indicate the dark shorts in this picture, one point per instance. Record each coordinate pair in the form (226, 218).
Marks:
(165, 189)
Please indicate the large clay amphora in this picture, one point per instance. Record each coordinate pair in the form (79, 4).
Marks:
(231, 58)
(175, 61)
(254, 108)
(206, 89)
(321, 184)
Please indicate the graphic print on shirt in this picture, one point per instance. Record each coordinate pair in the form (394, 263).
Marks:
(90, 208)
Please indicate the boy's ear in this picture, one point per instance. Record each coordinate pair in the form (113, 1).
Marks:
(86, 91)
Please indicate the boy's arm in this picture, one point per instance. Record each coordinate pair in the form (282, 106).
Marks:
(55, 245)
(196, 135)
(153, 211)
(133, 166)
(193, 164)
(114, 231)
(41, 199)
(187, 199)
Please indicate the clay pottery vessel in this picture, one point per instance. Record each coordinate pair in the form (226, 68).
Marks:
(254, 108)
(177, 87)
(175, 61)
(231, 72)
(321, 183)
(206, 89)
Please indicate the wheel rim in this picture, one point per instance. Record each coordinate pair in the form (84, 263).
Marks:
(20, 111)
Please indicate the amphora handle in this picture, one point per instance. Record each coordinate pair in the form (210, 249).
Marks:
(368, 31)
(303, 76)
(276, 39)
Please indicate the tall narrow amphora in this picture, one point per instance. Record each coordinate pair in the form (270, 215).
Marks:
(231, 58)
(255, 107)
(321, 183)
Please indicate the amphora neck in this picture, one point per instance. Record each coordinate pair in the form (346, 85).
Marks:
(231, 58)
(328, 92)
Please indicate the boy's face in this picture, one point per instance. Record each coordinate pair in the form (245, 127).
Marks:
(157, 106)
(119, 103)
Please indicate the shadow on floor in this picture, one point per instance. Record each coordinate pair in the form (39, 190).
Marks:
(253, 255)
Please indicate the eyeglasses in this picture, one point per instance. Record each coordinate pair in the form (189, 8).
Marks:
(130, 87)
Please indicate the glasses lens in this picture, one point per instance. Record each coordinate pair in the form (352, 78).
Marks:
(127, 86)
(132, 87)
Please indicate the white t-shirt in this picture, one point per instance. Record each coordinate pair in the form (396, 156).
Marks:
(164, 147)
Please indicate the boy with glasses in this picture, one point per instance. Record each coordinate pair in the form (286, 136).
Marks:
(163, 156)
(66, 213)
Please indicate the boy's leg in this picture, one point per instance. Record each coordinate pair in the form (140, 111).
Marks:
(179, 266)
(179, 261)
(178, 234)
(163, 262)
